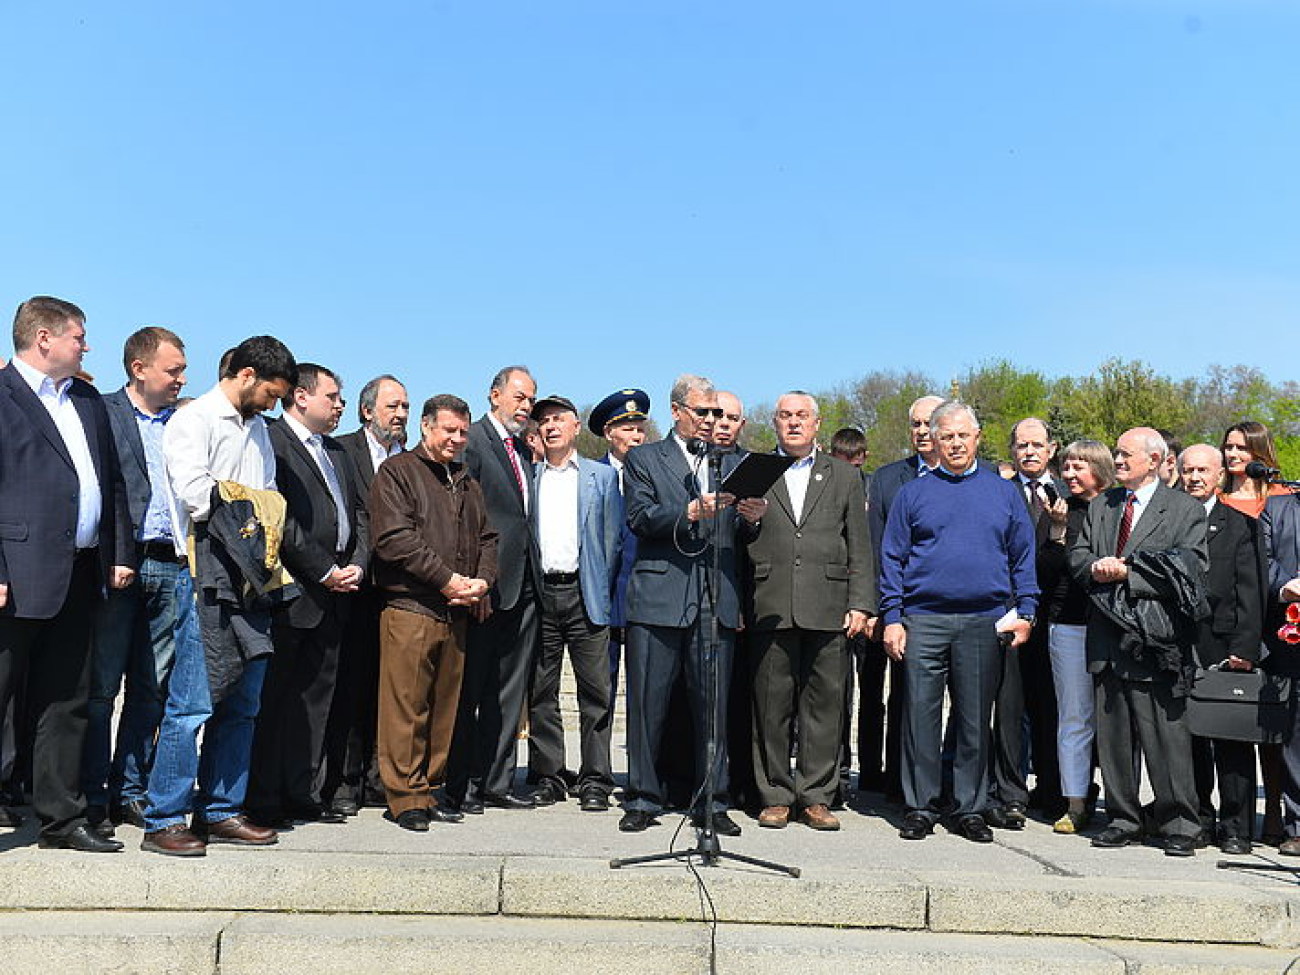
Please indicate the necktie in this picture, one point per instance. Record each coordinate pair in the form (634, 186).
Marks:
(1036, 504)
(1125, 525)
(332, 482)
(515, 466)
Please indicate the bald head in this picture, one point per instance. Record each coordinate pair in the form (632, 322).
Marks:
(1138, 454)
(1201, 466)
(918, 414)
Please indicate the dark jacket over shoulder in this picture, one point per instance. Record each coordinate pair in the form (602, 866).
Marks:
(427, 523)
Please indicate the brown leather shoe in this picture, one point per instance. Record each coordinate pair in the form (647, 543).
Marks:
(819, 817)
(174, 841)
(1290, 846)
(774, 817)
(238, 830)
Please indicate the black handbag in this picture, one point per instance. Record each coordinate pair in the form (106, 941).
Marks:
(1240, 705)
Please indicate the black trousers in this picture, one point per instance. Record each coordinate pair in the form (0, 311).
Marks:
(564, 622)
(499, 659)
(285, 769)
(1232, 763)
(880, 719)
(1144, 717)
(54, 658)
(655, 656)
(351, 734)
(1027, 691)
(798, 673)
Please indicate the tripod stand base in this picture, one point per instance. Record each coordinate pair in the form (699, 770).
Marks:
(709, 851)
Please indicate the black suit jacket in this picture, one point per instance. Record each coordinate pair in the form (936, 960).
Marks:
(358, 449)
(486, 460)
(311, 534)
(1234, 584)
(39, 497)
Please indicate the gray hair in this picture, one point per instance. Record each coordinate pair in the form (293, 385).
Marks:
(1011, 440)
(503, 376)
(369, 395)
(947, 408)
(928, 398)
(688, 383)
(817, 410)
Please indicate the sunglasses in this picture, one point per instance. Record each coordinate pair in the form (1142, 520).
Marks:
(703, 411)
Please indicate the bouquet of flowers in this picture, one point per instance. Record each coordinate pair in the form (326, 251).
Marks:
(1290, 630)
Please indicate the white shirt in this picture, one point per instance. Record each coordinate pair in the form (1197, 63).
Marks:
(557, 515)
(1141, 501)
(316, 448)
(54, 397)
(796, 482)
(617, 464)
(208, 441)
(522, 454)
(378, 452)
(1026, 486)
(1209, 503)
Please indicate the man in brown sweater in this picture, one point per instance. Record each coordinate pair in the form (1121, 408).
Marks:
(435, 555)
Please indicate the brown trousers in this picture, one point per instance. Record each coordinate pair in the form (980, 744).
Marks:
(420, 664)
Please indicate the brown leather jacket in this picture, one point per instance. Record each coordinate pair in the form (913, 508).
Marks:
(427, 522)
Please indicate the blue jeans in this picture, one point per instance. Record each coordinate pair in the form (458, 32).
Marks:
(221, 772)
(134, 638)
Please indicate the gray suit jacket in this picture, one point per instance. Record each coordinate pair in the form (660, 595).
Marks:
(674, 554)
(1173, 520)
(809, 571)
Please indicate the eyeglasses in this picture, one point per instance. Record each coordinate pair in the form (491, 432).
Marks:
(703, 411)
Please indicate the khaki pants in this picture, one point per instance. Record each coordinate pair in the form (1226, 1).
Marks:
(420, 664)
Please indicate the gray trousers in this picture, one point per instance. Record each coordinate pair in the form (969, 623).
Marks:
(1149, 711)
(960, 653)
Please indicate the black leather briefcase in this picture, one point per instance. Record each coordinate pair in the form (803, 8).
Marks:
(1241, 705)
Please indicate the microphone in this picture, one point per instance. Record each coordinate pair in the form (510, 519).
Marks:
(698, 446)
(1262, 472)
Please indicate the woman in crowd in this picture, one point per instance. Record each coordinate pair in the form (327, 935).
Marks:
(1242, 443)
(1087, 469)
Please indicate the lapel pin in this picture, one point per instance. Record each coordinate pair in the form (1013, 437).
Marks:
(817, 477)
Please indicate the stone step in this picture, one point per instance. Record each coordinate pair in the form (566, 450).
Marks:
(583, 889)
(260, 944)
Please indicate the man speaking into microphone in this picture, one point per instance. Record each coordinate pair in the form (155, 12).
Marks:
(957, 556)
(679, 516)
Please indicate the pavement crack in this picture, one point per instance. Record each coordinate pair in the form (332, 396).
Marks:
(1046, 864)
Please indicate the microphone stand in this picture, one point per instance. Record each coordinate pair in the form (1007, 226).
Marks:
(708, 847)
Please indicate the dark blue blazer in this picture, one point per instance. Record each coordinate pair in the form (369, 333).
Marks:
(673, 554)
(626, 557)
(39, 496)
(130, 456)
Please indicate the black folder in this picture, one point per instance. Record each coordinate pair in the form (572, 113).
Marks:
(755, 475)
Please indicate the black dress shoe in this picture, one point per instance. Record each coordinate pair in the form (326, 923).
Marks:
(416, 820)
(470, 807)
(129, 813)
(316, 814)
(1114, 837)
(1180, 846)
(345, 806)
(973, 828)
(508, 801)
(1009, 816)
(915, 827)
(83, 839)
(444, 814)
(10, 817)
(549, 793)
(722, 824)
(592, 798)
(104, 829)
(1235, 845)
(636, 821)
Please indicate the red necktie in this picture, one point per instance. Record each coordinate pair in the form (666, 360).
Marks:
(514, 465)
(1125, 525)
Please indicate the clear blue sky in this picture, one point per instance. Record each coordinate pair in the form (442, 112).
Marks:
(775, 194)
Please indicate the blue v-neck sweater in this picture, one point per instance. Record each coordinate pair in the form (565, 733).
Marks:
(958, 545)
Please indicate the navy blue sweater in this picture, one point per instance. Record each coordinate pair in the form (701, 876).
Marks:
(959, 545)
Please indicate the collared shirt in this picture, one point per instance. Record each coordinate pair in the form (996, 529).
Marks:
(796, 481)
(1209, 503)
(157, 523)
(54, 397)
(696, 463)
(209, 441)
(975, 465)
(312, 441)
(617, 464)
(378, 452)
(520, 457)
(1141, 501)
(1027, 483)
(557, 515)
(922, 468)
